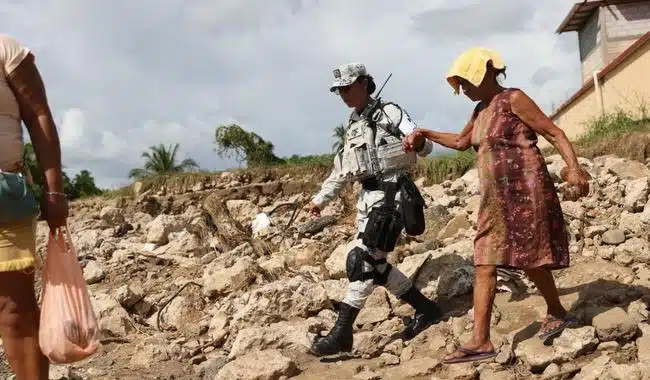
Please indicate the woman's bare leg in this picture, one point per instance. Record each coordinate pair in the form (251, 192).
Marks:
(485, 285)
(556, 313)
(19, 320)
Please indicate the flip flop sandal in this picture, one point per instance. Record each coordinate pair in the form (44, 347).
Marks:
(552, 333)
(470, 356)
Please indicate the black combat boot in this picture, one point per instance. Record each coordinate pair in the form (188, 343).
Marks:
(339, 339)
(427, 313)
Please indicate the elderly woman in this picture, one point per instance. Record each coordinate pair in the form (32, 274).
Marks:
(520, 223)
(22, 98)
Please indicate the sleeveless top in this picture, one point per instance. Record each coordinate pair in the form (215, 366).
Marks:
(12, 54)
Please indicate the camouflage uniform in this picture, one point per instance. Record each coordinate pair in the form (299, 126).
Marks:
(388, 118)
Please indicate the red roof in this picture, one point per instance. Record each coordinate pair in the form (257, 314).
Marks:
(638, 44)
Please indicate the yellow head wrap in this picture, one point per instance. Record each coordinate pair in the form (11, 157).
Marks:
(471, 65)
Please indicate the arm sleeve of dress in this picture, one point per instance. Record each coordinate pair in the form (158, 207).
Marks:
(399, 117)
(332, 185)
(12, 53)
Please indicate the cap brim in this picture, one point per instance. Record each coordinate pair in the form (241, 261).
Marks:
(455, 83)
(342, 83)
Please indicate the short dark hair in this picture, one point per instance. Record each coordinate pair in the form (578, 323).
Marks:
(370, 83)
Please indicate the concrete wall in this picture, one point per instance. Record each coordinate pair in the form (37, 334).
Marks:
(626, 87)
(623, 24)
(608, 32)
(591, 47)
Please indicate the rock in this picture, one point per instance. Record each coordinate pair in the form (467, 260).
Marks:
(447, 201)
(631, 222)
(613, 237)
(218, 280)
(242, 210)
(112, 215)
(552, 370)
(112, 318)
(595, 369)
(434, 192)
(574, 209)
(386, 359)
(415, 368)
(335, 264)
(152, 350)
(259, 365)
(462, 371)
(575, 342)
(637, 249)
(614, 324)
(624, 372)
(471, 181)
(440, 274)
(376, 309)
(593, 231)
(62, 373)
(298, 296)
(457, 223)
(638, 311)
(181, 313)
(628, 169)
(636, 194)
(211, 367)
(645, 215)
(129, 295)
(93, 272)
(534, 353)
(158, 229)
(284, 335)
(643, 348)
(85, 242)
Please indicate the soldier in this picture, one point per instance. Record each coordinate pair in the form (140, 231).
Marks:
(373, 154)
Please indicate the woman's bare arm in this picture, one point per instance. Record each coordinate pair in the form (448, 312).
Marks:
(27, 85)
(458, 141)
(528, 111)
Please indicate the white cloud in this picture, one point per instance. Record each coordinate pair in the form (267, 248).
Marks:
(123, 76)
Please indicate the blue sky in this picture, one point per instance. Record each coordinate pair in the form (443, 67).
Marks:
(124, 75)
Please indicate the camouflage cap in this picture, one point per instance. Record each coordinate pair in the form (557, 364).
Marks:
(346, 74)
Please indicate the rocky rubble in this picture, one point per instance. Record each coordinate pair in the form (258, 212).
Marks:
(183, 290)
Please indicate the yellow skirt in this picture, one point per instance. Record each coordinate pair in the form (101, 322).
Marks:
(18, 245)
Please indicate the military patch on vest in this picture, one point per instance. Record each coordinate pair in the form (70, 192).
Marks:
(337, 73)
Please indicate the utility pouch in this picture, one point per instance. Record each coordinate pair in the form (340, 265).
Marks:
(412, 207)
(383, 228)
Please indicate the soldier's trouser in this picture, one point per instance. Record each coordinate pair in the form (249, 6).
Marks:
(366, 267)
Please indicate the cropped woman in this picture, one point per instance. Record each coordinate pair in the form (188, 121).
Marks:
(520, 223)
(22, 98)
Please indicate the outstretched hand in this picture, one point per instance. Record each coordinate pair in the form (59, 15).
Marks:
(414, 141)
(314, 210)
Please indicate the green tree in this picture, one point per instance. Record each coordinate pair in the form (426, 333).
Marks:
(233, 141)
(162, 160)
(84, 184)
(339, 135)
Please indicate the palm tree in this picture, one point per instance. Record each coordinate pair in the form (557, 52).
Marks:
(162, 160)
(339, 135)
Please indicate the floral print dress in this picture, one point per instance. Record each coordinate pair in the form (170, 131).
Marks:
(520, 223)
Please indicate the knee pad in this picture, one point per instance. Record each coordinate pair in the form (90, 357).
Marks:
(354, 265)
(357, 270)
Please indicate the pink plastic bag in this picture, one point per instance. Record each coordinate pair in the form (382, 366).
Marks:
(68, 326)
